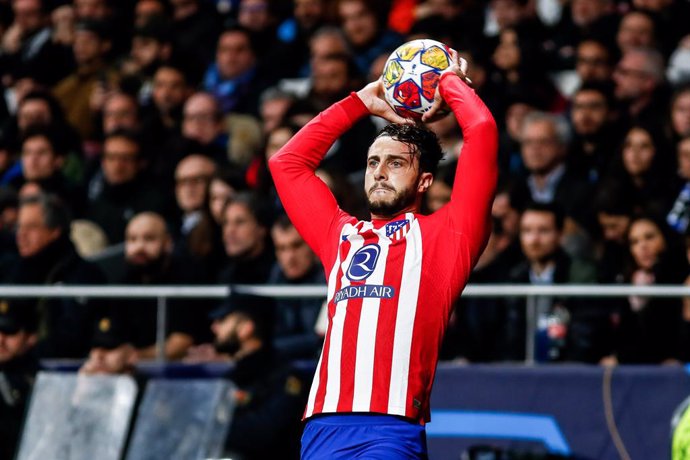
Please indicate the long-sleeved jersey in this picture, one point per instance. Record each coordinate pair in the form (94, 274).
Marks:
(391, 283)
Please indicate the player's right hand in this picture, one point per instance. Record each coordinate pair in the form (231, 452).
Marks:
(439, 109)
(373, 98)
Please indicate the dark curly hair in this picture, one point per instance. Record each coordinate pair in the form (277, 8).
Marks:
(421, 140)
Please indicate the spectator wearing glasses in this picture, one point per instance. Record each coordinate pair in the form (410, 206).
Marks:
(196, 233)
(119, 191)
(596, 130)
(203, 125)
(593, 61)
(640, 86)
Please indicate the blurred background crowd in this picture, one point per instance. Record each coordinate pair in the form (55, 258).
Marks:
(134, 137)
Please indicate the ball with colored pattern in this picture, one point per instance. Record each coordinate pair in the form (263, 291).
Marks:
(411, 74)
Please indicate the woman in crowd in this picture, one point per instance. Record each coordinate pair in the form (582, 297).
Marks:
(649, 328)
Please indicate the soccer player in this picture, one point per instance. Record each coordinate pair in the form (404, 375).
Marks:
(391, 280)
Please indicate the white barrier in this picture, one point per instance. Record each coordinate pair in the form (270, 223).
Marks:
(162, 293)
(219, 292)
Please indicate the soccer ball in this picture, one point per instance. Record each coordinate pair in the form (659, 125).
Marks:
(411, 74)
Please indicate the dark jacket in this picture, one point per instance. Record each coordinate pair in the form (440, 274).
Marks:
(652, 334)
(113, 206)
(269, 403)
(589, 327)
(17, 377)
(477, 323)
(248, 271)
(573, 194)
(65, 324)
(295, 318)
(186, 316)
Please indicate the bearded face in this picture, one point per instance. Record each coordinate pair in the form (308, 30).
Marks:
(384, 199)
(393, 182)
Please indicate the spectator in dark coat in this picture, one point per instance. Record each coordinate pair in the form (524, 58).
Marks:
(544, 141)
(149, 260)
(641, 88)
(43, 153)
(27, 47)
(644, 169)
(477, 323)
(648, 329)
(47, 256)
(195, 28)
(568, 329)
(270, 395)
(197, 234)
(161, 121)
(597, 132)
(119, 190)
(615, 210)
(295, 265)
(18, 367)
(246, 223)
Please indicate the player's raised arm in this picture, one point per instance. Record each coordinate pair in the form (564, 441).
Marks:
(476, 176)
(308, 201)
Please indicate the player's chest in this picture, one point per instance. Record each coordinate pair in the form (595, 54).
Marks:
(366, 251)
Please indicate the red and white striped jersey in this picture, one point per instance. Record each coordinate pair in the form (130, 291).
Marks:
(391, 283)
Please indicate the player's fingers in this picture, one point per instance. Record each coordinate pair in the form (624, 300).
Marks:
(429, 114)
(463, 65)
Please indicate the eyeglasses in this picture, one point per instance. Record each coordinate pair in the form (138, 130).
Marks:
(589, 105)
(200, 117)
(594, 61)
(192, 180)
(126, 157)
(539, 141)
(628, 72)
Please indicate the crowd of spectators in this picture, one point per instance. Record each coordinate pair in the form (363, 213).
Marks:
(134, 137)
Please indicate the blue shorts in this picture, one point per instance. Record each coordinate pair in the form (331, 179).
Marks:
(363, 436)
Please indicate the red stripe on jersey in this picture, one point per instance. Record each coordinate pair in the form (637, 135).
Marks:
(323, 375)
(386, 328)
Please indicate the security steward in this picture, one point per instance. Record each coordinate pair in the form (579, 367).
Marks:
(270, 395)
(18, 367)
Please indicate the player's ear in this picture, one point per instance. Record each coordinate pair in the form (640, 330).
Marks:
(425, 181)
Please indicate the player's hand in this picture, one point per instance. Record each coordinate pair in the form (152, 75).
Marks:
(373, 98)
(439, 108)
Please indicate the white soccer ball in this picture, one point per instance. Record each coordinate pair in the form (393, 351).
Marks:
(411, 74)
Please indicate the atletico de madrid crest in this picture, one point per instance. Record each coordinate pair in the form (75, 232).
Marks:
(398, 229)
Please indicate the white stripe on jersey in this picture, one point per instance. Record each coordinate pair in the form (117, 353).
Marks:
(366, 335)
(332, 395)
(331, 292)
(404, 322)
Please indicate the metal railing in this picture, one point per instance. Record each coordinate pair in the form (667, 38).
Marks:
(162, 293)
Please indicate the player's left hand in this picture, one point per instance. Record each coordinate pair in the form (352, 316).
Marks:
(439, 108)
(372, 97)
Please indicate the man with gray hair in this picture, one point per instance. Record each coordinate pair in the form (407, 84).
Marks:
(544, 140)
(47, 256)
(641, 87)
